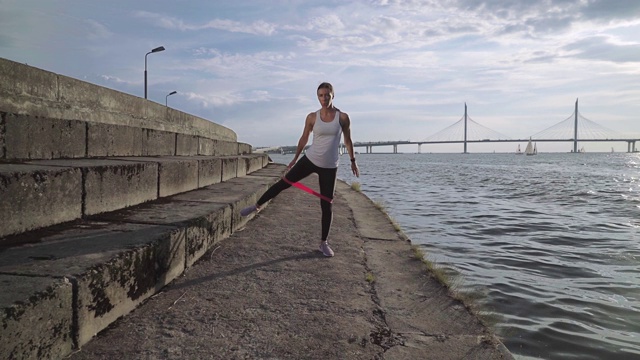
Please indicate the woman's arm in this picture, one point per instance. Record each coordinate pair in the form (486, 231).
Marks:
(345, 122)
(304, 138)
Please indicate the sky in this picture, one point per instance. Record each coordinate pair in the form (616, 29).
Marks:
(401, 69)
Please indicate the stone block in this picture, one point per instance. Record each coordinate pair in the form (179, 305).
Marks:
(158, 143)
(271, 170)
(114, 266)
(177, 175)
(204, 223)
(112, 184)
(34, 196)
(186, 145)
(19, 80)
(98, 104)
(237, 193)
(225, 148)
(28, 137)
(249, 163)
(113, 140)
(209, 171)
(244, 149)
(241, 169)
(189, 124)
(3, 130)
(206, 147)
(36, 316)
(229, 167)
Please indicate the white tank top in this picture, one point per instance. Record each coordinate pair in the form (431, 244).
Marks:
(324, 150)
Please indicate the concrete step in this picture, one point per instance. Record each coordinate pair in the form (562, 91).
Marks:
(41, 193)
(74, 279)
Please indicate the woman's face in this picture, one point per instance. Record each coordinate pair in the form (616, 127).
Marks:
(325, 97)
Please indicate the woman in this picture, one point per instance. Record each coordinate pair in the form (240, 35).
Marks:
(321, 158)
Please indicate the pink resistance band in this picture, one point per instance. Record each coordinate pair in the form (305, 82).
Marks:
(310, 191)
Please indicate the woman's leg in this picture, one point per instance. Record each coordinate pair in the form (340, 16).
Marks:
(327, 179)
(303, 168)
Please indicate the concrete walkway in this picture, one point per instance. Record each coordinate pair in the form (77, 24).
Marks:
(266, 292)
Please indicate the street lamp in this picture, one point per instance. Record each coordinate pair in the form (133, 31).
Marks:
(166, 97)
(159, 48)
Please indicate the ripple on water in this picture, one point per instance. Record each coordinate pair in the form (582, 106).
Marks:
(549, 243)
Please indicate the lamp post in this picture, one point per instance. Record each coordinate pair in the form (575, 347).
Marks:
(159, 48)
(166, 97)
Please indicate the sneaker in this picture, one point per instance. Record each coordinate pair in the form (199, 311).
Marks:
(325, 249)
(248, 210)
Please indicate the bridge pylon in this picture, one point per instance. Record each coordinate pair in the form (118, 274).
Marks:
(465, 128)
(575, 129)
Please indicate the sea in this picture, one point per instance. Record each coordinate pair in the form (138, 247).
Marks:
(546, 246)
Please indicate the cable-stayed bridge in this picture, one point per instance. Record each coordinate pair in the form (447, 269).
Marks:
(576, 128)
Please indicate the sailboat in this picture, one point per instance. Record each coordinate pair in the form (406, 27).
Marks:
(531, 148)
(518, 152)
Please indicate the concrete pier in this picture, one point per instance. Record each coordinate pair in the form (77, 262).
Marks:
(110, 203)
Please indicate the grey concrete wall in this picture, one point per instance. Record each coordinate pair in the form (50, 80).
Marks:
(29, 138)
(113, 140)
(105, 185)
(209, 171)
(229, 168)
(250, 163)
(158, 143)
(112, 266)
(244, 149)
(47, 316)
(203, 221)
(211, 147)
(44, 115)
(111, 185)
(186, 145)
(114, 288)
(80, 278)
(41, 193)
(87, 273)
(24, 137)
(177, 176)
(26, 90)
(35, 196)
(226, 148)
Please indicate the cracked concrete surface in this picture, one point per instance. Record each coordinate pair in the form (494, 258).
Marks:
(266, 292)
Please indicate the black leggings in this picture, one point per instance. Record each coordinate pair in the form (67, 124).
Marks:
(303, 168)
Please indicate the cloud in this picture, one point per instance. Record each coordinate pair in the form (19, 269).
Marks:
(330, 24)
(260, 27)
(604, 48)
(415, 61)
(395, 87)
(264, 66)
(215, 100)
(115, 79)
(97, 31)
(605, 10)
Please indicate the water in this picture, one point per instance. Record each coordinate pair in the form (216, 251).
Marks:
(550, 242)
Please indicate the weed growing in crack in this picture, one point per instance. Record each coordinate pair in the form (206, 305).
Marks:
(370, 278)
(356, 186)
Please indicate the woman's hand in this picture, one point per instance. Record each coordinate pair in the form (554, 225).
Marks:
(293, 162)
(354, 169)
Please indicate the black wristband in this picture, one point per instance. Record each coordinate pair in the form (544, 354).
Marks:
(353, 160)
